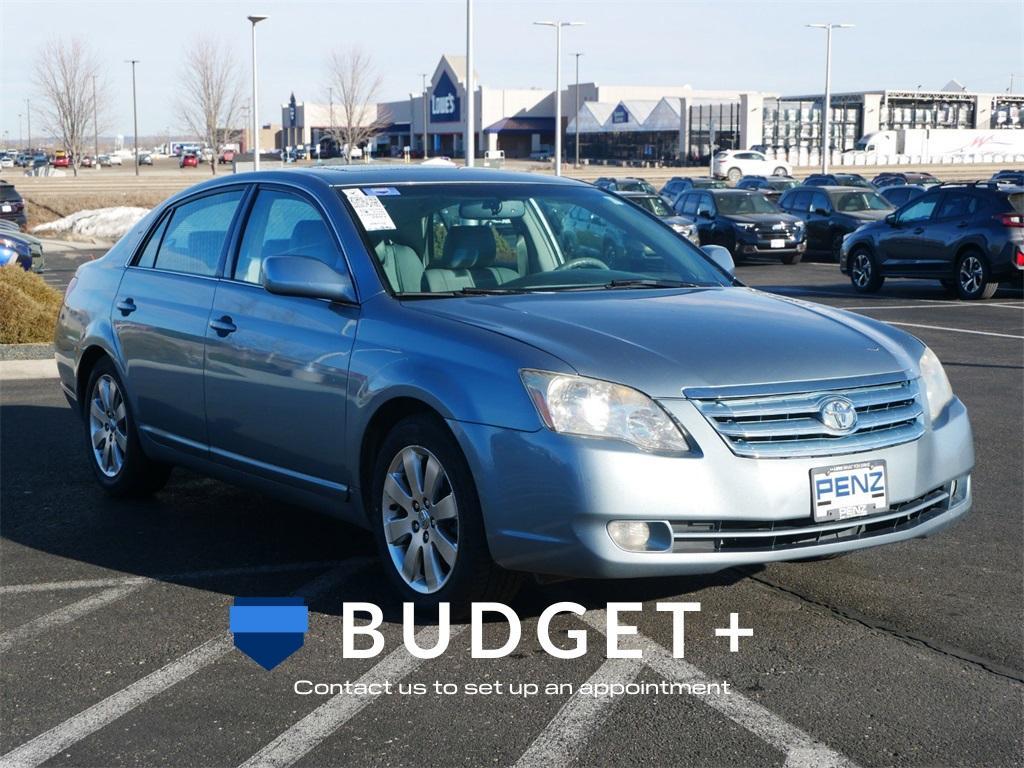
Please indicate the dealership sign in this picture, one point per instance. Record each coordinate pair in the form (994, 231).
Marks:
(444, 101)
(620, 115)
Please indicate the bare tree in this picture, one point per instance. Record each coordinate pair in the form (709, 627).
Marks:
(356, 118)
(211, 102)
(64, 77)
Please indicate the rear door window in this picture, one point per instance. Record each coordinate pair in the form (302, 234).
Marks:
(197, 232)
(957, 205)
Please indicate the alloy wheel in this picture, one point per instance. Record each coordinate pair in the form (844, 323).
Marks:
(861, 270)
(421, 519)
(972, 275)
(108, 425)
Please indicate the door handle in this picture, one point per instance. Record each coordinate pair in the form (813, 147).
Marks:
(223, 326)
(126, 306)
(918, 230)
(962, 224)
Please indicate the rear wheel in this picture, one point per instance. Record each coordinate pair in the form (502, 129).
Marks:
(780, 171)
(973, 279)
(428, 522)
(117, 460)
(734, 175)
(864, 273)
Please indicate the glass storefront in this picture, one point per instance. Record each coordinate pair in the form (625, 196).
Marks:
(796, 124)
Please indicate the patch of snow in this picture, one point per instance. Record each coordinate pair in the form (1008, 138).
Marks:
(107, 224)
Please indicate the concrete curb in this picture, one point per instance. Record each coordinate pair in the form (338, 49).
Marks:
(26, 352)
(23, 370)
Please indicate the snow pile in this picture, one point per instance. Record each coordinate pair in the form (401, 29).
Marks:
(107, 224)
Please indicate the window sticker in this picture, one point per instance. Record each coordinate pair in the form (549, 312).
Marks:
(381, 191)
(371, 212)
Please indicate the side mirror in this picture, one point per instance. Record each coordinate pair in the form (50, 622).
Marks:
(821, 212)
(304, 276)
(721, 256)
(705, 214)
(891, 220)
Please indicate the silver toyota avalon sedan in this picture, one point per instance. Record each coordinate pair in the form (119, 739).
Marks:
(501, 374)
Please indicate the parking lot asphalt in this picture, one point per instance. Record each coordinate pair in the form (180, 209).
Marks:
(114, 644)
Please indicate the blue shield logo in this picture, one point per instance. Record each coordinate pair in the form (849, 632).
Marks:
(269, 629)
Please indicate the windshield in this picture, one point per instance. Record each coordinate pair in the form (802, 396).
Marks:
(634, 185)
(709, 184)
(782, 184)
(462, 238)
(847, 202)
(731, 204)
(654, 204)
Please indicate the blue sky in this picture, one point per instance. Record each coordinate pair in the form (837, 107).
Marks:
(724, 44)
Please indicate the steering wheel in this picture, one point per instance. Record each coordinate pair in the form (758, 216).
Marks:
(583, 261)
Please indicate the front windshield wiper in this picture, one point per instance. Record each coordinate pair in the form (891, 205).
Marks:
(649, 283)
(473, 291)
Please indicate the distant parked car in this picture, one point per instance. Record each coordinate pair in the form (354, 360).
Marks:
(676, 186)
(6, 160)
(968, 236)
(654, 204)
(625, 184)
(744, 222)
(12, 206)
(40, 161)
(61, 159)
(890, 178)
(837, 180)
(189, 161)
(87, 161)
(145, 158)
(109, 160)
(1009, 177)
(23, 160)
(831, 213)
(901, 194)
(225, 157)
(734, 164)
(771, 187)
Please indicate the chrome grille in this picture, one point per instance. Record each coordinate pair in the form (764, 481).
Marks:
(769, 536)
(768, 230)
(788, 425)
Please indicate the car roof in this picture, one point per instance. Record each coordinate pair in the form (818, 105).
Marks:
(730, 191)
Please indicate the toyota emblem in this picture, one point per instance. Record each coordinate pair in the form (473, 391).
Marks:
(838, 414)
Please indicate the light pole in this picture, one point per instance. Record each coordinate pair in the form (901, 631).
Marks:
(135, 114)
(255, 104)
(423, 98)
(330, 108)
(95, 124)
(577, 114)
(28, 119)
(20, 145)
(470, 140)
(558, 84)
(826, 111)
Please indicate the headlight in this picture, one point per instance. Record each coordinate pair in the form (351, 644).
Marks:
(576, 405)
(683, 229)
(799, 224)
(744, 225)
(936, 385)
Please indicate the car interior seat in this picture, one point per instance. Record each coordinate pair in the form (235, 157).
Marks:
(402, 265)
(467, 261)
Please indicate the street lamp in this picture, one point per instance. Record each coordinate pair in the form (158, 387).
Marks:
(558, 84)
(827, 107)
(423, 98)
(95, 123)
(255, 104)
(577, 114)
(470, 140)
(135, 113)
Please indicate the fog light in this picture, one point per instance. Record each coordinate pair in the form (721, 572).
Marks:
(641, 535)
(630, 535)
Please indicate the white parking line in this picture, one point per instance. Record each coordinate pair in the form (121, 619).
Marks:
(296, 742)
(54, 741)
(242, 570)
(957, 330)
(950, 305)
(800, 748)
(64, 615)
(559, 743)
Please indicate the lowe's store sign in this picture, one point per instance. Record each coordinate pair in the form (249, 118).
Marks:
(444, 101)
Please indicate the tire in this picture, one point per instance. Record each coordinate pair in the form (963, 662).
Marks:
(734, 175)
(115, 454)
(792, 258)
(973, 277)
(437, 535)
(864, 272)
(780, 171)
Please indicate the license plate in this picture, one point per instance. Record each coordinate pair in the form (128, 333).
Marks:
(848, 490)
(5, 209)
(778, 243)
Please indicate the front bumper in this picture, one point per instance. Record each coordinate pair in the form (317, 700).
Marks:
(547, 498)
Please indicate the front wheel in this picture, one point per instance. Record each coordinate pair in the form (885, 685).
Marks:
(734, 175)
(428, 522)
(864, 273)
(117, 459)
(780, 171)
(973, 279)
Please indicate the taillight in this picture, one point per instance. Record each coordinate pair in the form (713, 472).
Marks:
(1019, 260)
(1015, 220)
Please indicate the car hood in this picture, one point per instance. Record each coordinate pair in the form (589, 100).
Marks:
(664, 341)
(866, 215)
(760, 218)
